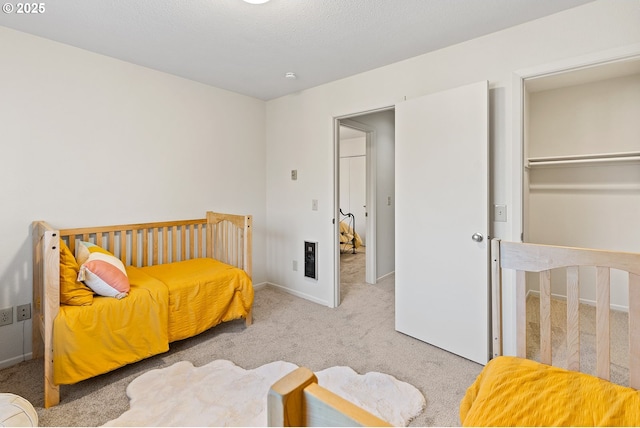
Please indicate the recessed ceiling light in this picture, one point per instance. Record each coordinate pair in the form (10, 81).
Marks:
(256, 1)
(290, 75)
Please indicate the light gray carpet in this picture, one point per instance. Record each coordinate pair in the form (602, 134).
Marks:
(618, 336)
(359, 334)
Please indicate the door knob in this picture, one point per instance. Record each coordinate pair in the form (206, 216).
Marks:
(477, 237)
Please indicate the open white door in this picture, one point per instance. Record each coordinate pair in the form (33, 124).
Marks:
(442, 220)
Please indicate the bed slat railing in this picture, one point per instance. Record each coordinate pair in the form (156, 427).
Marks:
(523, 258)
(573, 318)
(225, 237)
(545, 317)
(521, 308)
(146, 244)
(603, 324)
(634, 330)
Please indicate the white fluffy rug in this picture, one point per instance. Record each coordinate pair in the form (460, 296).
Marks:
(223, 394)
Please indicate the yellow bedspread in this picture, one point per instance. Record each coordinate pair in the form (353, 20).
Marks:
(166, 303)
(110, 333)
(512, 391)
(202, 293)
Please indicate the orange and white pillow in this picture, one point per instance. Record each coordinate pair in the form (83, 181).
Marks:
(102, 271)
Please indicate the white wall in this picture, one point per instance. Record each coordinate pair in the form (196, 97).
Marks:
(591, 118)
(307, 117)
(593, 205)
(88, 140)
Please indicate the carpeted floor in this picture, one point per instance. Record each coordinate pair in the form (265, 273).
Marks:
(359, 334)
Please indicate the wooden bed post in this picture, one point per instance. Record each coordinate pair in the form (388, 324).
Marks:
(239, 227)
(248, 245)
(46, 282)
(37, 345)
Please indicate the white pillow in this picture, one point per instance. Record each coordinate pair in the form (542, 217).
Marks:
(105, 275)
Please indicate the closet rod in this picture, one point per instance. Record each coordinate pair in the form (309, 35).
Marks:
(585, 159)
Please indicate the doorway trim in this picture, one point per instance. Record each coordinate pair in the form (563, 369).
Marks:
(370, 221)
(371, 256)
(624, 53)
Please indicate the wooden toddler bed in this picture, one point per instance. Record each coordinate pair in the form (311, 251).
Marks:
(184, 277)
(514, 391)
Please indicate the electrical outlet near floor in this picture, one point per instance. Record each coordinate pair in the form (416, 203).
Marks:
(24, 312)
(6, 316)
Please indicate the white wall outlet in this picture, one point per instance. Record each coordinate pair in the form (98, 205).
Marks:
(295, 265)
(294, 174)
(500, 212)
(6, 316)
(24, 312)
(314, 204)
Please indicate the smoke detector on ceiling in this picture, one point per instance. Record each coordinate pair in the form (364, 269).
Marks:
(290, 75)
(256, 1)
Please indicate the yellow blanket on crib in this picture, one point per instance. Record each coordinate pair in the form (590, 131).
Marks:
(110, 333)
(202, 293)
(513, 391)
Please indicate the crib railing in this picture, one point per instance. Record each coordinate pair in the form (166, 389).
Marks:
(220, 236)
(541, 259)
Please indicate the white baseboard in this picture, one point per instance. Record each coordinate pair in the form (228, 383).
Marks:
(299, 294)
(393, 272)
(259, 286)
(585, 301)
(15, 360)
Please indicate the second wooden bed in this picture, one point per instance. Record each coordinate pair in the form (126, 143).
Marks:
(516, 391)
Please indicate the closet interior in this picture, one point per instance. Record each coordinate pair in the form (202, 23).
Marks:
(582, 164)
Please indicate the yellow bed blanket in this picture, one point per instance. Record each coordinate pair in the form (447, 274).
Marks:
(110, 333)
(202, 293)
(513, 391)
(166, 303)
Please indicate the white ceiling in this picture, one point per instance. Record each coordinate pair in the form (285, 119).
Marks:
(248, 48)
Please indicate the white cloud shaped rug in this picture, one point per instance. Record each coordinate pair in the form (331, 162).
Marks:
(223, 394)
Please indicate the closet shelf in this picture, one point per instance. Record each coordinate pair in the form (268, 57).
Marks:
(627, 157)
